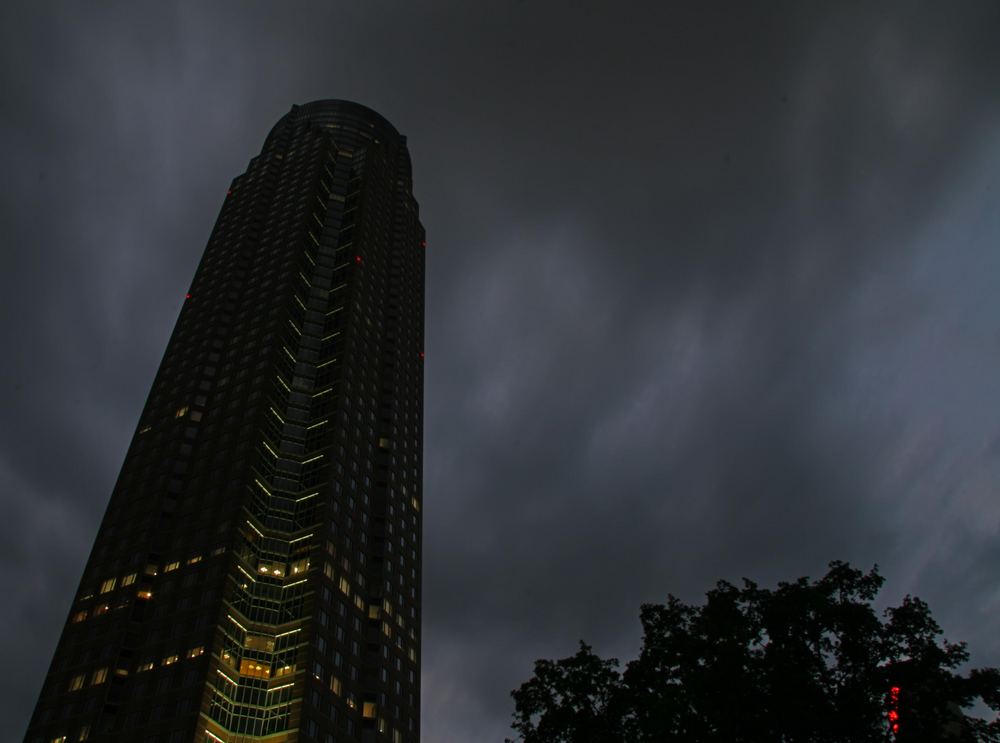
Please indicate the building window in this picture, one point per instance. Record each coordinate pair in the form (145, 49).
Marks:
(77, 682)
(128, 580)
(254, 669)
(108, 585)
(99, 676)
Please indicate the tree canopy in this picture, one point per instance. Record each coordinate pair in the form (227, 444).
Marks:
(808, 662)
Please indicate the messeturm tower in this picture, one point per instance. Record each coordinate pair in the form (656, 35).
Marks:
(256, 576)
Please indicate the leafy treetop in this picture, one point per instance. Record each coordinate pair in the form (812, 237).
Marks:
(809, 662)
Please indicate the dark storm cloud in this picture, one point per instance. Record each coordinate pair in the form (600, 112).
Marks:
(710, 294)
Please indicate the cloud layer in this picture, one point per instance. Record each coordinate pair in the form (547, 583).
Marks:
(711, 293)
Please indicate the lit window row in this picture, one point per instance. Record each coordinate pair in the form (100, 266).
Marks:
(110, 584)
(100, 675)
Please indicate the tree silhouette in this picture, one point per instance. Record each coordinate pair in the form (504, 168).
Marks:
(809, 662)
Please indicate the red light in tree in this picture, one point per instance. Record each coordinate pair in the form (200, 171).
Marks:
(893, 713)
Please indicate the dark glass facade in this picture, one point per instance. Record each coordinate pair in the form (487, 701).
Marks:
(257, 572)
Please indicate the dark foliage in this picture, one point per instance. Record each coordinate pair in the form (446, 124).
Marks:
(809, 662)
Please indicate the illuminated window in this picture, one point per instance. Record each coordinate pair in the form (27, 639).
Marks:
(194, 560)
(254, 668)
(108, 585)
(150, 569)
(170, 660)
(84, 733)
(145, 667)
(79, 616)
(181, 412)
(195, 652)
(171, 566)
(368, 710)
(77, 682)
(373, 611)
(99, 676)
(335, 685)
(98, 610)
(345, 587)
(145, 595)
(60, 739)
(128, 580)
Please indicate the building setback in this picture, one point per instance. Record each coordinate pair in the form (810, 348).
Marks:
(257, 572)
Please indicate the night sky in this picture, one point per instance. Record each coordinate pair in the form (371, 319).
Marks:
(712, 292)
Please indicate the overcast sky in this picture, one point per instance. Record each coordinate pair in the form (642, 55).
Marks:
(712, 292)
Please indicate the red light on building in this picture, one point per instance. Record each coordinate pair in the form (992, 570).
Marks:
(421, 355)
(187, 296)
(423, 243)
(357, 259)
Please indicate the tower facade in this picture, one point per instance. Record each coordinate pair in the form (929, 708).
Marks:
(257, 572)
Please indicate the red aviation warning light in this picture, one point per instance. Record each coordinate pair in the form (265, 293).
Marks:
(423, 244)
(893, 714)
(187, 296)
(357, 259)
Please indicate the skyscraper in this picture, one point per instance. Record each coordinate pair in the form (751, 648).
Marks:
(257, 572)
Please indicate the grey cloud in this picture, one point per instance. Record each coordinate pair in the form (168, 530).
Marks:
(709, 295)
